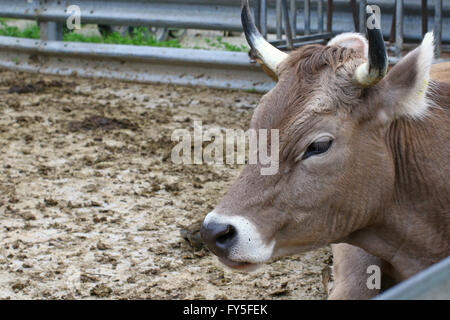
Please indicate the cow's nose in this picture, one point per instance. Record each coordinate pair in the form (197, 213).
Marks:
(218, 237)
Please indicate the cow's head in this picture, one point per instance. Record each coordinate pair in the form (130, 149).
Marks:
(333, 106)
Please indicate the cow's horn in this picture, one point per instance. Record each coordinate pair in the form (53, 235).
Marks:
(371, 72)
(268, 54)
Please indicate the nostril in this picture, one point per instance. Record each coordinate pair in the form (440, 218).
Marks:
(219, 237)
(226, 236)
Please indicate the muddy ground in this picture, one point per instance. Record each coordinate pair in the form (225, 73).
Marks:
(91, 205)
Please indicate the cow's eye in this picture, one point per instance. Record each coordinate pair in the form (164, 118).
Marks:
(317, 147)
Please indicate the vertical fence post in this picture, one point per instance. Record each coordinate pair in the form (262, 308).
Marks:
(355, 15)
(307, 17)
(362, 16)
(293, 10)
(424, 10)
(257, 14)
(398, 26)
(51, 30)
(320, 16)
(287, 25)
(279, 20)
(438, 26)
(264, 18)
(393, 25)
(329, 15)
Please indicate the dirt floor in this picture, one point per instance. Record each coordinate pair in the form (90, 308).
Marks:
(91, 205)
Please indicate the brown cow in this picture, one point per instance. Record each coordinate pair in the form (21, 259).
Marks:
(364, 164)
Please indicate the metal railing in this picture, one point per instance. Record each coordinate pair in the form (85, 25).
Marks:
(302, 21)
(430, 284)
(217, 69)
(302, 17)
(288, 20)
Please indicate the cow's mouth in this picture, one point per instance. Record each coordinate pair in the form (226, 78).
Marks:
(237, 265)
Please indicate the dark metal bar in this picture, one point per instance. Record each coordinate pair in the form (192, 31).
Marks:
(257, 14)
(355, 15)
(300, 39)
(297, 45)
(287, 25)
(320, 15)
(438, 26)
(392, 34)
(424, 9)
(399, 26)
(51, 30)
(307, 13)
(362, 16)
(293, 10)
(264, 18)
(329, 15)
(279, 20)
(304, 40)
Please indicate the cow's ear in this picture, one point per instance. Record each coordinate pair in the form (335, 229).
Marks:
(351, 40)
(403, 90)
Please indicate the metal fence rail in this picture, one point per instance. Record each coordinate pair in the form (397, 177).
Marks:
(218, 69)
(225, 15)
(430, 284)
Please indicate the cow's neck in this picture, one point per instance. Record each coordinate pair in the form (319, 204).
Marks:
(414, 231)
